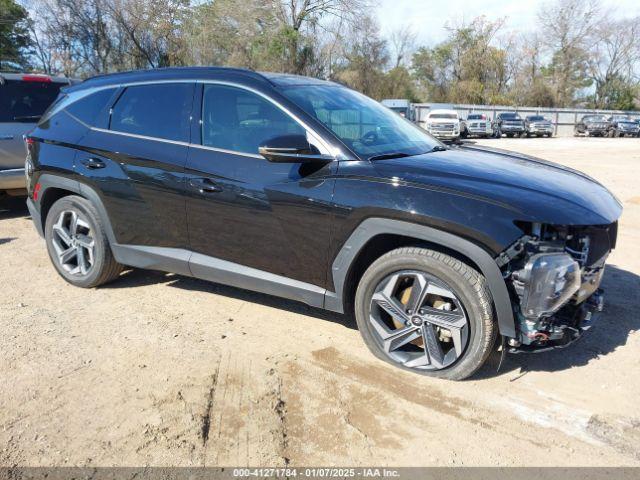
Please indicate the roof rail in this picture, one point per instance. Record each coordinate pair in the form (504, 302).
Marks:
(159, 71)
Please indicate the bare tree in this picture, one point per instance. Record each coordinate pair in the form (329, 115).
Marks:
(304, 18)
(614, 56)
(403, 44)
(565, 26)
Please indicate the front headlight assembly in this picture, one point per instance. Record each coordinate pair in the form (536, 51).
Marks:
(550, 280)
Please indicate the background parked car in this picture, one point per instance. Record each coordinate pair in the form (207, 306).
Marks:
(478, 124)
(23, 100)
(592, 125)
(444, 124)
(538, 125)
(511, 124)
(622, 125)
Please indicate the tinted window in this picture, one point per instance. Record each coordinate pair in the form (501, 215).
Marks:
(22, 101)
(535, 118)
(160, 111)
(88, 108)
(364, 125)
(241, 121)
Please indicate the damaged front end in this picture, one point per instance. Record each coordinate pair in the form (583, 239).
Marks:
(554, 274)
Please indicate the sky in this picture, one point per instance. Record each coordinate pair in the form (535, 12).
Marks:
(428, 17)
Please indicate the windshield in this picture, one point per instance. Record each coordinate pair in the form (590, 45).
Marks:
(475, 117)
(536, 118)
(368, 128)
(595, 118)
(622, 118)
(22, 101)
(510, 116)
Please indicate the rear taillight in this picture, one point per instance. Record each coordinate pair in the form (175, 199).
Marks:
(28, 141)
(36, 78)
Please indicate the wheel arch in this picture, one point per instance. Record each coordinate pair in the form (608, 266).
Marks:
(376, 236)
(53, 188)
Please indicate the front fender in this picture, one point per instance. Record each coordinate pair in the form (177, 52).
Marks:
(376, 226)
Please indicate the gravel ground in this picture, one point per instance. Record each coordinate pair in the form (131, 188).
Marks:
(158, 369)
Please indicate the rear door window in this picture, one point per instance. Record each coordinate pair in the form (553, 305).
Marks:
(160, 111)
(26, 101)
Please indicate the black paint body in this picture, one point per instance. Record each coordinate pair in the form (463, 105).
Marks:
(293, 220)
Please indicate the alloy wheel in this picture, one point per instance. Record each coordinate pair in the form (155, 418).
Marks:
(73, 243)
(418, 320)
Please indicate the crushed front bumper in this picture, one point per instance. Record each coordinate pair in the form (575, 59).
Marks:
(586, 315)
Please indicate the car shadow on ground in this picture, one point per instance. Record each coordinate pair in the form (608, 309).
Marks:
(13, 207)
(611, 330)
(137, 277)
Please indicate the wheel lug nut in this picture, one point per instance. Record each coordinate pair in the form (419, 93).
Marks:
(409, 311)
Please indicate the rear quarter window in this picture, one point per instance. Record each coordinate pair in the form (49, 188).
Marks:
(26, 101)
(88, 108)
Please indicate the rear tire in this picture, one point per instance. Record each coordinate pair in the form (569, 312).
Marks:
(448, 290)
(78, 245)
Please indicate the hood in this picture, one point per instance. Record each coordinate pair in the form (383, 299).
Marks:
(443, 120)
(535, 190)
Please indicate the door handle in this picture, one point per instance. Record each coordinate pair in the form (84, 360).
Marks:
(7, 137)
(93, 163)
(205, 185)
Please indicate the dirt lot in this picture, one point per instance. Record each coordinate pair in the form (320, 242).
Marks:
(158, 369)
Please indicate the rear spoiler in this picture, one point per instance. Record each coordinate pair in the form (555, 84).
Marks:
(37, 77)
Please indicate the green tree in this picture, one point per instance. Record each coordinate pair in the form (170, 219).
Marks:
(15, 41)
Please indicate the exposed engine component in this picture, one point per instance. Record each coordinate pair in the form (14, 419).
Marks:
(555, 273)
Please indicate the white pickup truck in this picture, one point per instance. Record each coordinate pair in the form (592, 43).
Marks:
(443, 124)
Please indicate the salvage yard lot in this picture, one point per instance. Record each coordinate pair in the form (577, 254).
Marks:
(159, 369)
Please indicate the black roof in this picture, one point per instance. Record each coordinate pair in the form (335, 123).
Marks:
(176, 73)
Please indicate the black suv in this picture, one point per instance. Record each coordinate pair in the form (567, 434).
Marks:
(308, 190)
(622, 125)
(592, 125)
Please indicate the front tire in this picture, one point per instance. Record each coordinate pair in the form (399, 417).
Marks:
(77, 243)
(426, 312)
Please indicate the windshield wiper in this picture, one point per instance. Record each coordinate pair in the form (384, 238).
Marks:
(27, 117)
(386, 156)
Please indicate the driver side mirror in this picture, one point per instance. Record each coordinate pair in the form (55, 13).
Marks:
(292, 149)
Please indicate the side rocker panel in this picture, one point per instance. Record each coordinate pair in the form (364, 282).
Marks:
(377, 226)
